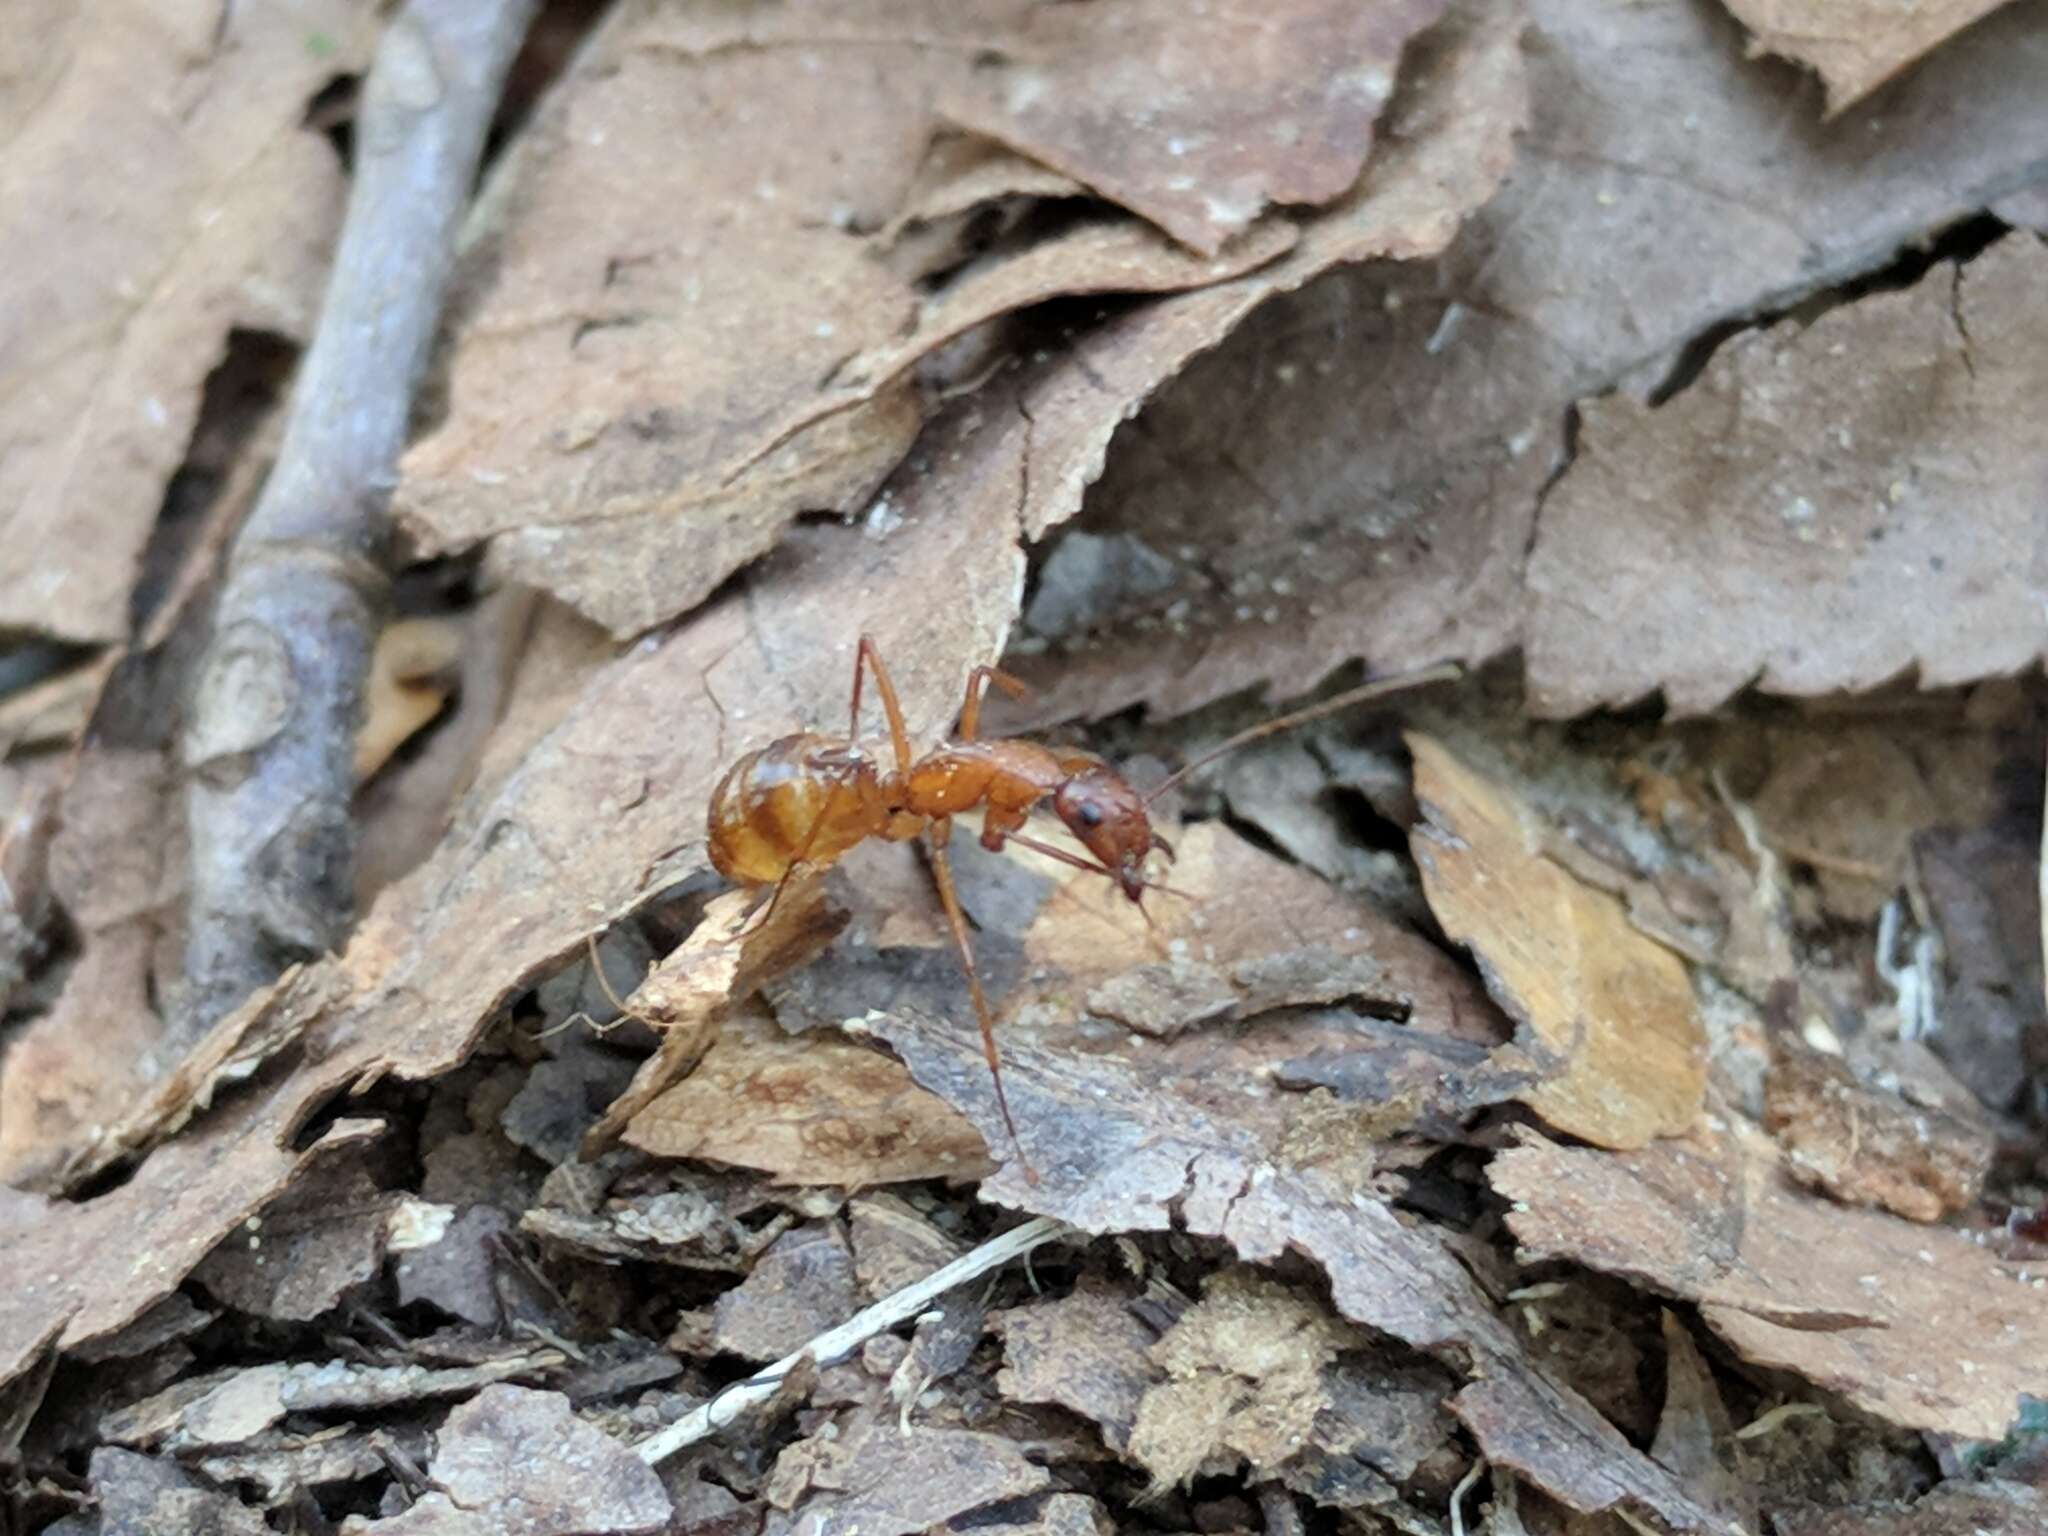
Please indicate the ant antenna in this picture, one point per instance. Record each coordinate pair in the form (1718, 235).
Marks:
(1379, 687)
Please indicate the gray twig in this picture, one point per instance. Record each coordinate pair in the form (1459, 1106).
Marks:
(269, 737)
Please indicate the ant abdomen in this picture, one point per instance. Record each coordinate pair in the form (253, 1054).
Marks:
(804, 799)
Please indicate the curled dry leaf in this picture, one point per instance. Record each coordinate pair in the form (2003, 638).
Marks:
(519, 1462)
(1382, 507)
(158, 189)
(1609, 1016)
(1194, 119)
(1786, 471)
(1917, 1325)
(722, 963)
(1854, 45)
(708, 381)
(225, 1408)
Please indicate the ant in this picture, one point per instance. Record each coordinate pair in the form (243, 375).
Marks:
(805, 801)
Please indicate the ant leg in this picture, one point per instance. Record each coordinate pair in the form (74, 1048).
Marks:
(899, 738)
(801, 860)
(942, 875)
(970, 708)
(1089, 865)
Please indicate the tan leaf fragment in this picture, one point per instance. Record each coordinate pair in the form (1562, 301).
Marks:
(724, 961)
(809, 1111)
(313, 1244)
(1803, 500)
(227, 1407)
(1195, 119)
(1866, 1143)
(1855, 46)
(519, 1462)
(412, 671)
(801, 1286)
(160, 189)
(1917, 1325)
(1610, 1015)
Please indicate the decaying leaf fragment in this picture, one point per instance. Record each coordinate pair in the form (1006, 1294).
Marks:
(1915, 1324)
(1786, 517)
(1867, 1142)
(1244, 1371)
(705, 381)
(520, 1463)
(162, 188)
(1610, 1017)
(885, 1481)
(1195, 118)
(1854, 45)
(810, 1111)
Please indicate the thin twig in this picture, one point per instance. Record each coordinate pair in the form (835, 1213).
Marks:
(831, 1347)
(270, 735)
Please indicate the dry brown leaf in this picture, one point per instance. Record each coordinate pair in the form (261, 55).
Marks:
(709, 380)
(1194, 119)
(882, 1481)
(1917, 1325)
(1381, 502)
(1087, 1351)
(1696, 1436)
(307, 1249)
(1866, 1143)
(809, 1111)
(71, 1074)
(134, 1494)
(1992, 1507)
(1610, 1017)
(801, 1286)
(228, 1406)
(723, 962)
(1809, 460)
(159, 188)
(521, 1463)
(1854, 45)
(1110, 1116)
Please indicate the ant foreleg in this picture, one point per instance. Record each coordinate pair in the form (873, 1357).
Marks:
(970, 707)
(939, 834)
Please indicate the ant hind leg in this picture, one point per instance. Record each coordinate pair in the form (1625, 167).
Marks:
(942, 875)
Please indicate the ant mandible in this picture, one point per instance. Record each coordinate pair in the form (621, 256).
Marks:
(804, 802)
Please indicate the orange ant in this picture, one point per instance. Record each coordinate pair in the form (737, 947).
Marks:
(805, 801)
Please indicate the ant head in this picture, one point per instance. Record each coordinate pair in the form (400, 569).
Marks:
(1108, 817)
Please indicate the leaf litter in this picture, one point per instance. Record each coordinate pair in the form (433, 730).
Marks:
(1369, 1194)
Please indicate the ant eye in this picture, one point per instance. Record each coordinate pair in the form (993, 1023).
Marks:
(1089, 815)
